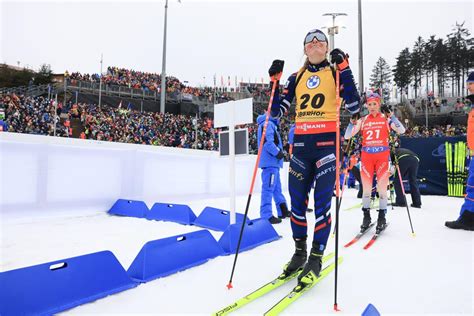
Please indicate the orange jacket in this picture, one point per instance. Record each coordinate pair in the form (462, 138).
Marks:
(470, 132)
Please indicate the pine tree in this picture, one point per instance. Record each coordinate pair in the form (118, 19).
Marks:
(402, 72)
(44, 74)
(381, 78)
(428, 53)
(458, 52)
(440, 61)
(417, 63)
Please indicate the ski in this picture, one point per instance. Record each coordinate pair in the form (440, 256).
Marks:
(359, 235)
(307, 282)
(374, 238)
(268, 287)
(359, 205)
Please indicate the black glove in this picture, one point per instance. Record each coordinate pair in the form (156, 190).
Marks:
(471, 98)
(277, 82)
(355, 116)
(338, 56)
(281, 154)
(276, 67)
(385, 109)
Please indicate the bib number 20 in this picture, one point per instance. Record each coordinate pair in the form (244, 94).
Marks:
(316, 102)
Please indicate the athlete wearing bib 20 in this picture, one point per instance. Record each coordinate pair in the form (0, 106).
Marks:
(314, 144)
(375, 155)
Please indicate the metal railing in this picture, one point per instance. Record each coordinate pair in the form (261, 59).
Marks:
(31, 90)
(124, 91)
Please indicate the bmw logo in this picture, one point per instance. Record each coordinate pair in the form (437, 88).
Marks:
(313, 82)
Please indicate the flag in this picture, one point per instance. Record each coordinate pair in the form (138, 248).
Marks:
(120, 104)
(129, 106)
(222, 80)
(228, 81)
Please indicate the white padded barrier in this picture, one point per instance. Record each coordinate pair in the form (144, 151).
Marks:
(43, 172)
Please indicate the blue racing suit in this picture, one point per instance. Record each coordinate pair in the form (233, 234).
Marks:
(314, 147)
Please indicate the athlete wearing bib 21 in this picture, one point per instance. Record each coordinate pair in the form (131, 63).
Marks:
(314, 143)
(375, 155)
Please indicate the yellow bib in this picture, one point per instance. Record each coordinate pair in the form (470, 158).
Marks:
(316, 97)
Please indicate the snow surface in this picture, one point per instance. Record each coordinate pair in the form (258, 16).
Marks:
(430, 274)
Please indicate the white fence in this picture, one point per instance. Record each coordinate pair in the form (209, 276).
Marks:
(42, 172)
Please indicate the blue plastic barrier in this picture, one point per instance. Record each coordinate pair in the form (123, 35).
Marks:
(256, 233)
(178, 213)
(166, 256)
(129, 208)
(216, 219)
(370, 310)
(52, 287)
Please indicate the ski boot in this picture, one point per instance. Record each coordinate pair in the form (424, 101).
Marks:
(284, 211)
(465, 221)
(299, 257)
(314, 262)
(366, 221)
(274, 220)
(381, 222)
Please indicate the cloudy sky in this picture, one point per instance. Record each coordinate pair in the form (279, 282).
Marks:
(225, 38)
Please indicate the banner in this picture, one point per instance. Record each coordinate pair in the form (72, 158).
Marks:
(432, 168)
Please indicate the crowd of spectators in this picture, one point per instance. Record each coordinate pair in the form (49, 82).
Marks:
(111, 124)
(436, 131)
(24, 114)
(36, 116)
(30, 115)
(149, 82)
(131, 79)
(436, 105)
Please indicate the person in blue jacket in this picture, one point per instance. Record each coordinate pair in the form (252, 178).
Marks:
(271, 161)
(466, 217)
(3, 124)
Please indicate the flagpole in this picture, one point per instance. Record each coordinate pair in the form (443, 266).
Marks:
(100, 79)
(163, 65)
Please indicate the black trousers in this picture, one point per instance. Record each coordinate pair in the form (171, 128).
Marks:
(409, 171)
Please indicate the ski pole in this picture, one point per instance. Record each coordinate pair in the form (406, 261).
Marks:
(404, 195)
(391, 188)
(274, 80)
(346, 169)
(346, 172)
(338, 140)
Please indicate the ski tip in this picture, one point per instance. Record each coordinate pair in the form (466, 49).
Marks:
(336, 309)
(367, 246)
(350, 243)
(229, 286)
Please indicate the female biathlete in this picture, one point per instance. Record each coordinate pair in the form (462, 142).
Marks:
(375, 155)
(314, 147)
